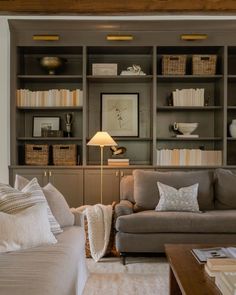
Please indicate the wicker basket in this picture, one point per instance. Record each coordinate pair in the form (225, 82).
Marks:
(174, 64)
(204, 64)
(64, 154)
(36, 154)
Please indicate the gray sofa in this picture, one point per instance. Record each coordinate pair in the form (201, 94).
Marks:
(47, 270)
(142, 229)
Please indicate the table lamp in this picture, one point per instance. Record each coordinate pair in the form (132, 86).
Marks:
(101, 138)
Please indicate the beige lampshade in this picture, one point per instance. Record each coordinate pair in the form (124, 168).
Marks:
(102, 138)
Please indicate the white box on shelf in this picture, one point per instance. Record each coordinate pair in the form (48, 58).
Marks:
(103, 69)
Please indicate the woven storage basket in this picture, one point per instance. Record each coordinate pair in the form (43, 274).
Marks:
(64, 154)
(174, 64)
(36, 154)
(204, 64)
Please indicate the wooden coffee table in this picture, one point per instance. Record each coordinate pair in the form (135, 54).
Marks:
(187, 276)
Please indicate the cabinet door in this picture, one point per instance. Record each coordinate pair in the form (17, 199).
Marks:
(70, 183)
(92, 186)
(39, 173)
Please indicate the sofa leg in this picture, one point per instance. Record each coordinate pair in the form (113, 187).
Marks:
(123, 257)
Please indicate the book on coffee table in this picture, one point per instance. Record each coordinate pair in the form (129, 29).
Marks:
(215, 266)
(217, 252)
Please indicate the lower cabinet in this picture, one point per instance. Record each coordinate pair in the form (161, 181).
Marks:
(68, 181)
(111, 185)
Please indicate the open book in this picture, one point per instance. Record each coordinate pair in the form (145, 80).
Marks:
(217, 252)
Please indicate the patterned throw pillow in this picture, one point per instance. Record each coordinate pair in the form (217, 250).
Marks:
(13, 201)
(183, 199)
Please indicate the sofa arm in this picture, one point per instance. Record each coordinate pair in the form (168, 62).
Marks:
(79, 217)
(125, 207)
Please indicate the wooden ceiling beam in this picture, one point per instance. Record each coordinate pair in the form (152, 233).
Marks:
(115, 7)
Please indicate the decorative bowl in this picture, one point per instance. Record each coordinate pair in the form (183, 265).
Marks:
(51, 63)
(185, 128)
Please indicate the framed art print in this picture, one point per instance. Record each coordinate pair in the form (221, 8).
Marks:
(120, 113)
(49, 123)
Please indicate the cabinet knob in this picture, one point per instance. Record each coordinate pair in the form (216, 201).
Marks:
(50, 173)
(45, 173)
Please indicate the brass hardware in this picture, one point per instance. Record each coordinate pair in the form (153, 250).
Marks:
(120, 37)
(193, 37)
(50, 173)
(45, 37)
(117, 173)
(121, 173)
(45, 173)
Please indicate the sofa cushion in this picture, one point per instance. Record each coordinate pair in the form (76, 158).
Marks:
(183, 199)
(26, 229)
(214, 221)
(55, 199)
(225, 189)
(146, 194)
(13, 201)
(58, 269)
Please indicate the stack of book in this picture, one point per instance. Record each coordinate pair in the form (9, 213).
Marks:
(188, 157)
(214, 266)
(118, 162)
(49, 98)
(188, 97)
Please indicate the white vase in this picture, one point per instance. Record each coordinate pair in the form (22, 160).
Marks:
(232, 129)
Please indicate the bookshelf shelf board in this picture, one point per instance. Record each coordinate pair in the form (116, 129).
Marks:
(50, 78)
(129, 138)
(49, 138)
(231, 138)
(50, 108)
(190, 78)
(189, 138)
(188, 166)
(231, 107)
(120, 79)
(193, 108)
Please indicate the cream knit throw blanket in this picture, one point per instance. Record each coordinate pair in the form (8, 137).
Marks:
(99, 218)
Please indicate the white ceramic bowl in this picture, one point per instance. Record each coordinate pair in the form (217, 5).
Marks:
(187, 128)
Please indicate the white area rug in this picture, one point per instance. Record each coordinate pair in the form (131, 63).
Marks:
(140, 276)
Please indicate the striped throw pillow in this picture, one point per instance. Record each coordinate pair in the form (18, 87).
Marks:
(13, 201)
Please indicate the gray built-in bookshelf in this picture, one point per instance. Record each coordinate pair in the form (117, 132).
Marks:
(84, 43)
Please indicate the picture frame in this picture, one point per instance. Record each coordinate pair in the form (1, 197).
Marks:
(40, 122)
(120, 114)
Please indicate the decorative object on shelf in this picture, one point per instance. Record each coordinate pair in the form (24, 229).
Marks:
(188, 97)
(134, 70)
(51, 133)
(117, 151)
(101, 139)
(49, 123)
(186, 129)
(52, 63)
(232, 129)
(204, 64)
(174, 64)
(64, 154)
(118, 162)
(68, 121)
(104, 69)
(120, 113)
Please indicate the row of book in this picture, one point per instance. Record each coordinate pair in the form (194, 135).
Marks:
(188, 97)
(188, 157)
(49, 98)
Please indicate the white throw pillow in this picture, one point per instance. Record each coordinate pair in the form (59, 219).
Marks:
(13, 201)
(55, 199)
(26, 229)
(172, 199)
